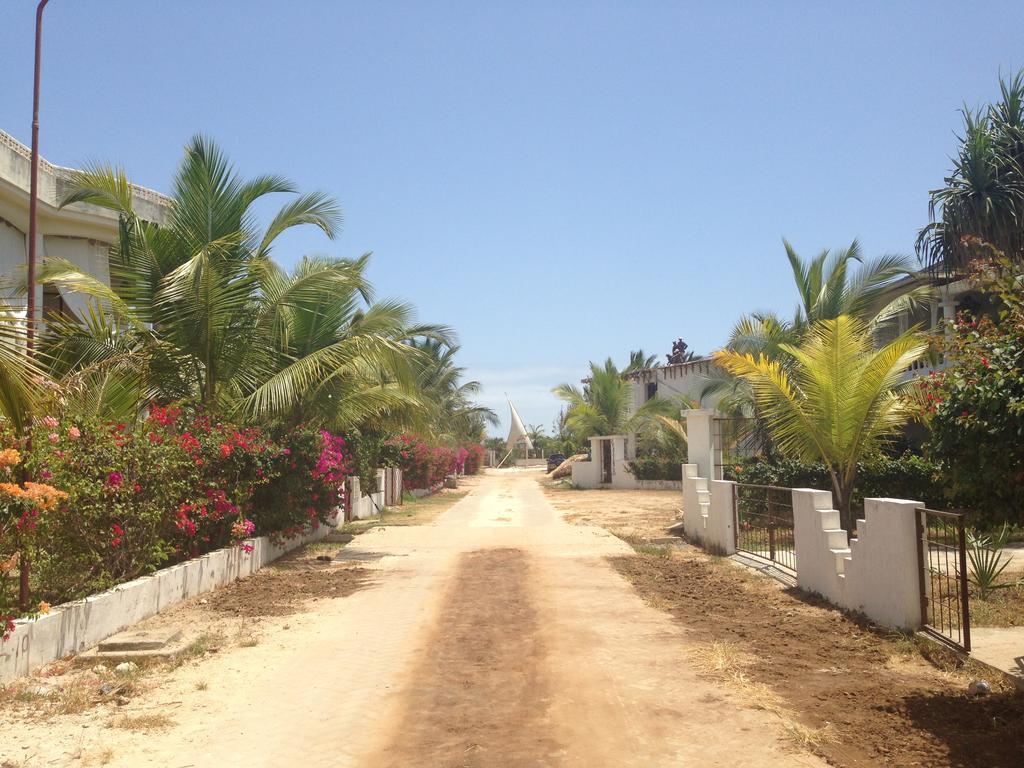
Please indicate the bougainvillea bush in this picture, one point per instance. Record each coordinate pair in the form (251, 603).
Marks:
(173, 486)
(474, 458)
(976, 405)
(425, 465)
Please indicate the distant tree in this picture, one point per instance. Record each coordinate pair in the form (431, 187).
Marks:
(639, 361)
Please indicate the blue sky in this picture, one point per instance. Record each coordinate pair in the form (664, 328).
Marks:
(559, 181)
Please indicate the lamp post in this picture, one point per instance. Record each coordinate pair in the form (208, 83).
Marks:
(30, 314)
(30, 310)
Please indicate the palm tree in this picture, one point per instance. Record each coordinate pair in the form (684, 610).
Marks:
(449, 399)
(198, 309)
(20, 375)
(983, 197)
(192, 281)
(602, 406)
(828, 286)
(838, 401)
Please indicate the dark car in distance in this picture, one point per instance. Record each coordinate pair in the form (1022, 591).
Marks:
(554, 460)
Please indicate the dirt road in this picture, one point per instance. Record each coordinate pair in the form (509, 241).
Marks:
(498, 636)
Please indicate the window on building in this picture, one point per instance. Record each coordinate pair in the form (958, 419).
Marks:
(53, 303)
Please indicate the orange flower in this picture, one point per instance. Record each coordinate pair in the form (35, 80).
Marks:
(12, 490)
(44, 496)
(44, 607)
(9, 457)
(8, 565)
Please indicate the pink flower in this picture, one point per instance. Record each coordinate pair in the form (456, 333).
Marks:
(49, 422)
(74, 433)
(114, 479)
(247, 548)
(53, 437)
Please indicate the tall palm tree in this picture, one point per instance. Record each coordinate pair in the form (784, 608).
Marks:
(874, 292)
(601, 406)
(983, 196)
(839, 400)
(193, 279)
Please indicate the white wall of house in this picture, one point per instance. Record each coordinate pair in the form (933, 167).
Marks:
(81, 233)
(679, 379)
(593, 474)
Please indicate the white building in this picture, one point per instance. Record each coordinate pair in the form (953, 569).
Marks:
(673, 380)
(80, 233)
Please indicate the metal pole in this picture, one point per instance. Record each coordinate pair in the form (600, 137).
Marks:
(30, 313)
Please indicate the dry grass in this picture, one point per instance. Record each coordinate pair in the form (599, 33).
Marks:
(202, 685)
(102, 756)
(728, 662)
(1004, 608)
(152, 721)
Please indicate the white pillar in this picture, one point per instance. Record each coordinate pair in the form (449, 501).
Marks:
(700, 440)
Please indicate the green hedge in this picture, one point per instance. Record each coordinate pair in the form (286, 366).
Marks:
(904, 477)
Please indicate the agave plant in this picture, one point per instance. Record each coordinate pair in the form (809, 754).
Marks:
(986, 561)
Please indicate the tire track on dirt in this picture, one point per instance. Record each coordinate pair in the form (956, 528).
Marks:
(478, 696)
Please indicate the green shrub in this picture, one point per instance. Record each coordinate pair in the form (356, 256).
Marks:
(656, 468)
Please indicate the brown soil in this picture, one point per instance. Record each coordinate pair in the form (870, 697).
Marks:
(285, 588)
(627, 514)
(886, 706)
(478, 696)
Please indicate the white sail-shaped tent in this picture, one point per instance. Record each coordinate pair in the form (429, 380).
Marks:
(516, 433)
(517, 430)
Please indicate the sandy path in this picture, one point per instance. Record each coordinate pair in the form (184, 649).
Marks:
(498, 636)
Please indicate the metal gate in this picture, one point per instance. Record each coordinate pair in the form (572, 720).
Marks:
(942, 561)
(764, 523)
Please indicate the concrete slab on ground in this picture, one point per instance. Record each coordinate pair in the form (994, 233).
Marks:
(1002, 648)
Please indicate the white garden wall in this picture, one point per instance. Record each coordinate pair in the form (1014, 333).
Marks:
(74, 627)
(588, 474)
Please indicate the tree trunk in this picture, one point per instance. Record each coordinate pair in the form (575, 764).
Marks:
(23, 573)
(842, 484)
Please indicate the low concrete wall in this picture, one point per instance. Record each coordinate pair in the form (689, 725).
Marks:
(71, 628)
(362, 505)
(659, 485)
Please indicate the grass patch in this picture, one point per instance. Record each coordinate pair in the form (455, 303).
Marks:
(644, 546)
(202, 685)
(1004, 608)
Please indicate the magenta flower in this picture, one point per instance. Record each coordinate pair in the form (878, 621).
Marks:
(114, 479)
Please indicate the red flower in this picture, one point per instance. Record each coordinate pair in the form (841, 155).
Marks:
(225, 450)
